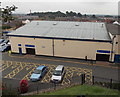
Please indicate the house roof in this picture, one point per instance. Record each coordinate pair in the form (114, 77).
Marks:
(114, 29)
(64, 29)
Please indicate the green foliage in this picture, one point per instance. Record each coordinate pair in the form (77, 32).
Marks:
(10, 93)
(52, 15)
(83, 90)
(7, 13)
(6, 27)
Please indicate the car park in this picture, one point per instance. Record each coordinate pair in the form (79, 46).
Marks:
(39, 73)
(58, 74)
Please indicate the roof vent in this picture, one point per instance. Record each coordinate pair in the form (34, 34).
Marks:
(37, 23)
(76, 24)
(55, 23)
(102, 25)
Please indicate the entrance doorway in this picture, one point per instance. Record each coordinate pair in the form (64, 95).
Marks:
(20, 50)
(102, 57)
(30, 51)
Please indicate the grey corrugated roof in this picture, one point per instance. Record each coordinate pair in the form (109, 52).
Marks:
(64, 29)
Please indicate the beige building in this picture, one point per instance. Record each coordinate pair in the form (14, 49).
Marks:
(83, 40)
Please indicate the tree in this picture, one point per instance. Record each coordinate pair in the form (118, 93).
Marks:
(71, 13)
(67, 13)
(7, 13)
(93, 16)
(85, 15)
(79, 15)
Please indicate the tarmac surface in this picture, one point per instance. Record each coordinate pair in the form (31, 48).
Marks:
(16, 67)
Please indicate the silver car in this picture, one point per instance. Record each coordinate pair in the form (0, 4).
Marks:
(58, 74)
(3, 47)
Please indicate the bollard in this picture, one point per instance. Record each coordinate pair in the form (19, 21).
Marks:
(93, 78)
(54, 85)
(110, 83)
(82, 79)
(37, 89)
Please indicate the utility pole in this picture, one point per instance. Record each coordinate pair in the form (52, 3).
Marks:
(30, 11)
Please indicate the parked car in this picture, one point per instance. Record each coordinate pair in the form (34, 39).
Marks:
(3, 47)
(6, 41)
(1, 41)
(58, 74)
(9, 43)
(39, 73)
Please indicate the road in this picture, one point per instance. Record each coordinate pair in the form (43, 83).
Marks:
(100, 71)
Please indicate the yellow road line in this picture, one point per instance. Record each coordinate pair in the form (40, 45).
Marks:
(27, 77)
(8, 64)
(15, 71)
(66, 80)
(49, 74)
(68, 77)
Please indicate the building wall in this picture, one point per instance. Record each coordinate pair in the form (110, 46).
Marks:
(42, 46)
(62, 48)
(79, 49)
(20, 40)
(117, 48)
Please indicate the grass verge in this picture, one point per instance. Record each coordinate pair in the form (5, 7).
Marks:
(83, 90)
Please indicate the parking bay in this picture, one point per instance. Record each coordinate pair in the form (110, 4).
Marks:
(23, 70)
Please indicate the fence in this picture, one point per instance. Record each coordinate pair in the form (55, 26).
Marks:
(105, 82)
(37, 87)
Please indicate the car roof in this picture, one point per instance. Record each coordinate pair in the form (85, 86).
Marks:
(59, 67)
(41, 67)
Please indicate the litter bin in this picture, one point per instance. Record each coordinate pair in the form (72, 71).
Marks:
(24, 86)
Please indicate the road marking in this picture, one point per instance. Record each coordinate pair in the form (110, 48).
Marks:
(88, 76)
(67, 78)
(16, 71)
(6, 65)
(14, 65)
(27, 77)
(48, 76)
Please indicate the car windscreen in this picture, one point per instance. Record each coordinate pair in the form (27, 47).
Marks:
(1, 40)
(37, 71)
(57, 73)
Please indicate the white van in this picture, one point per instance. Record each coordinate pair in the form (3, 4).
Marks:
(58, 74)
